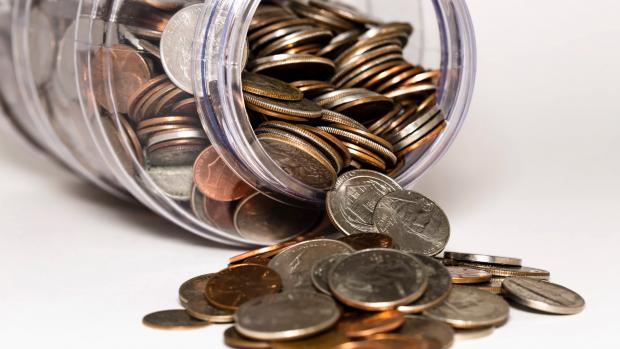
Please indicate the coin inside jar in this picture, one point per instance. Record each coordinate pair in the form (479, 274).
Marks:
(269, 87)
(238, 284)
(216, 180)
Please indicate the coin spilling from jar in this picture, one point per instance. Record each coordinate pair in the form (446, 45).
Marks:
(326, 89)
(379, 284)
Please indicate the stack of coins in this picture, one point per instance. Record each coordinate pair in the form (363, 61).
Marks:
(381, 285)
(364, 93)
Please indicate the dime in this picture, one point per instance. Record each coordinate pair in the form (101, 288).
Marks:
(181, 152)
(543, 296)
(390, 278)
(285, 316)
(365, 241)
(327, 340)
(463, 275)
(418, 326)
(320, 272)
(200, 308)
(193, 288)
(128, 71)
(234, 339)
(415, 222)
(468, 307)
(439, 286)
(367, 324)
(295, 263)
(216, 180)
(262, 219)
(300, 160)
(175, 319)
(238, 284)
(351, 204)
(265, 86)
(482, 258)
(176, 46)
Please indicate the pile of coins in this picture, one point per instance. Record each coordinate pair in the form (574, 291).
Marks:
(380, 285)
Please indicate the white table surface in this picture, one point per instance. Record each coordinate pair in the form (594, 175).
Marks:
(534, 174)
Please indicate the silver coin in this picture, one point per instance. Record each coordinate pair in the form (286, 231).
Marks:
(287, 315)
(469, 307)
(421, 326)
(178, 155)
(543, 296)
(176, 46)
(320, 272)
(350, 206)
(378, 279)
(200, 309)
(415, 222)
(439, 286)
(295, 263)
(264, 220)
(186, 133)
(175, 181)
(482, 258)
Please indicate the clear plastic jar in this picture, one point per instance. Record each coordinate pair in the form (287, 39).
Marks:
(48, 92)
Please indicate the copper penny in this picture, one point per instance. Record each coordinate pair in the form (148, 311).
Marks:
(128, 71)
(392, 341)
(220, 213)
(271, 250)
(216, 180)
(464, 275)
(367, 324)
(364, 241)
(238, 284)
(260, 260)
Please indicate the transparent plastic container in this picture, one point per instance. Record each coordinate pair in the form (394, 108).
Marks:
(51, 95)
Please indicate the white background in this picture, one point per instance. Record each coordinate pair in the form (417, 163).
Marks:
(533, 174)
